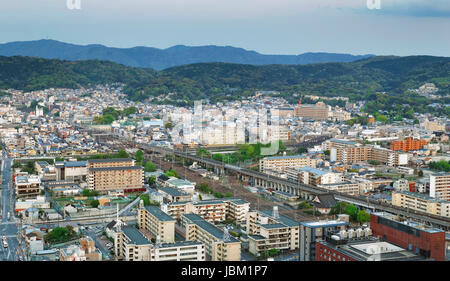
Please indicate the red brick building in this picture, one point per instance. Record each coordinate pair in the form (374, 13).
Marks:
(426, 241)
(363, 249)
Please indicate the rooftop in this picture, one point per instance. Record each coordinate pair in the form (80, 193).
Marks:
(110, 160)
(115, 168)
(210, 228)
(135, 235)
(286, 157)
(412, 224)
(316, 172)
(173, 191)
(372, 249)
(160, 215)
(329, 223)
(281, 219)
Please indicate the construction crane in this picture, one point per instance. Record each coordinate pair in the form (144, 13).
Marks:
(300, 101)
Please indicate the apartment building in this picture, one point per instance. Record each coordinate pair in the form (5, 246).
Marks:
(281, 163)
(318, 111)
(178, 251)
(351, 152)
(106, 163)
(408, 144)
(312, 231)
(219, 245)
(27, 186)
(440, 186)
(435, 126)
(174, 195)
(346, 187)
(421, 202)
(269, 230)
(216, 210)
(71, 170)
(157, 222)
(316, 177)
(132, 245)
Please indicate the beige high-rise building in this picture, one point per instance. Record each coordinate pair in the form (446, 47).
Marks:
(434, 126)
(216, 210)
(268, 230)
(352, 152)
(114, 174)
(281, 163)
(421, 202)
(178, 251)
(131, 245)
(318, 111)
(218, 245)
(440, 186)
(157, 223)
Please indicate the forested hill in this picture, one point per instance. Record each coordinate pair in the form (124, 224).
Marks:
(27, 73)
(355, 79)
(363, 79)
(155, 58)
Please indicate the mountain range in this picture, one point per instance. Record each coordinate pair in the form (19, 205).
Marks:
(148, 57)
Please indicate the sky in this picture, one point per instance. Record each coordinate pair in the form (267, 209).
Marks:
(399, 27)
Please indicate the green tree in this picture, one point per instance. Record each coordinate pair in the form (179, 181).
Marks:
(94, 203)
(363, 216)
(381, 118)
(217, 194)
(152, 180)
(146, 199)
(123, 154)
(352, 211)
(139, 156)
(168, 125)
(304, 205)
(204, 187)
(149, 167)
(339, 208)
(171, 173)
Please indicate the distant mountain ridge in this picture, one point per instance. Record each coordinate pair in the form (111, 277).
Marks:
(149, 57)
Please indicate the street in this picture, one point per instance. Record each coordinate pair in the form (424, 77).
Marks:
(8, 225)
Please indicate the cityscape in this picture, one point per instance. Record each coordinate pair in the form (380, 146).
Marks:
(199, 154)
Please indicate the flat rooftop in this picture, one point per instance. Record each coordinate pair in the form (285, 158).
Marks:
(208, 227)
(329, 223)
(115, 168)
(160, 215)
(110, 160)
(135, 235)
(412, 224)
(372, 249)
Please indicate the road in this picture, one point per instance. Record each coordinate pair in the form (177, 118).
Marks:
(8, 225)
